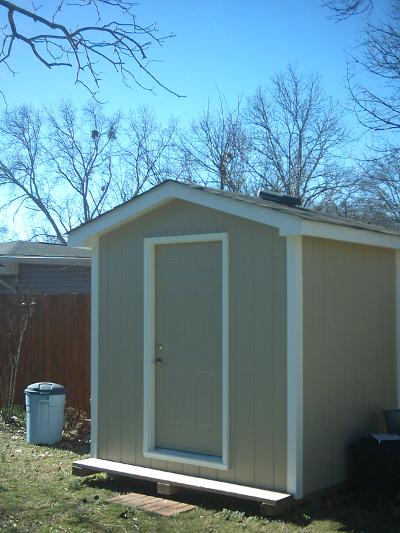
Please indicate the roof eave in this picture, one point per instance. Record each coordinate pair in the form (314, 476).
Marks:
(86, 234)
(286, 223)
(337, 232)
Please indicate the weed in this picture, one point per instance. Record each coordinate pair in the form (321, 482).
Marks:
(229, 514)
(13, 416)
(74, 484)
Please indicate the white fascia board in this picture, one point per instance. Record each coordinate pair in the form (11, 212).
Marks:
(336, 232)
(87, 233)
(170, 191)
(286, 223)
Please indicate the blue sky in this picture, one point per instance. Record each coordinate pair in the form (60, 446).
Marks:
(226, 45)
(230, 46)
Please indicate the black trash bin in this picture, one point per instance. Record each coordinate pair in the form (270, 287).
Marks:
(374, 466)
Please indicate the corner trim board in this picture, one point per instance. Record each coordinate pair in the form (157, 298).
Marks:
(94, 349)
(294, 271)
(149, 449)
(397, 328)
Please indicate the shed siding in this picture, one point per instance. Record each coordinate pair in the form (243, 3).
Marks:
(349, 351)
(257, 411)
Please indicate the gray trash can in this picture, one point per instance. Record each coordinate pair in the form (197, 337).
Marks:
(44, 412)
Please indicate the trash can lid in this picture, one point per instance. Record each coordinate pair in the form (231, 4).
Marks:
(45, 387)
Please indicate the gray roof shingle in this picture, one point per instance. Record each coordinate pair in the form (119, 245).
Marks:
(302, 212)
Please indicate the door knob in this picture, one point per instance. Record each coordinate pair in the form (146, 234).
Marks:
(158, 361)
(159, 347)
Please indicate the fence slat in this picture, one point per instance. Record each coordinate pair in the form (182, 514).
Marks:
(57, 346)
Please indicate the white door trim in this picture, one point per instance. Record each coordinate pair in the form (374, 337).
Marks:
(149, 449)
(294, 288)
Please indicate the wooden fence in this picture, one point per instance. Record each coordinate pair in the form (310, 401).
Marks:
(57, 346)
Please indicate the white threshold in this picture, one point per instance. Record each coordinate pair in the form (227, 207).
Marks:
(188, 458)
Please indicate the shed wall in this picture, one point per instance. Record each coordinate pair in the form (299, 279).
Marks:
(349, 351)
(257, 358)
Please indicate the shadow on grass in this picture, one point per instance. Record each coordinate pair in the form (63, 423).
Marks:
(344, 511)
(349, 512)
(76, 446)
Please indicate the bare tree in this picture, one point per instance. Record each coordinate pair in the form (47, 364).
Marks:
(15, 317)
(377, 106)
(343, 9)
(380, 182)
(80, 150)
(296, 132)
(57, 164)
(21, 160)
(376, 103)
(146, 154)
(66, 166)
(54, 35)
(216, 149)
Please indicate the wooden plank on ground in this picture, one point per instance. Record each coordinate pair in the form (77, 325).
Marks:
(268, 509)
(181, 480)
(80, 471)
(166, 489)
(152, 504)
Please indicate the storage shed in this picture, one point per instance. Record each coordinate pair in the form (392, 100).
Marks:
(239, 339)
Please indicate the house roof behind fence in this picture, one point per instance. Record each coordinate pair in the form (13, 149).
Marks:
(42, 249)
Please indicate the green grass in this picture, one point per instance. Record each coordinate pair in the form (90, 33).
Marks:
(38, 493)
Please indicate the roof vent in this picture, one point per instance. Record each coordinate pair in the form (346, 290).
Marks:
(291, 201)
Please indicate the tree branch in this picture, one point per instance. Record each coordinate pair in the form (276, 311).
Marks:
(121, 45)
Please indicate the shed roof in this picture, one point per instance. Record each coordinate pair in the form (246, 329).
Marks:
(302, 212)
(289, 220)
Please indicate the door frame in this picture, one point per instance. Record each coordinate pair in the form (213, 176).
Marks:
(149, 449)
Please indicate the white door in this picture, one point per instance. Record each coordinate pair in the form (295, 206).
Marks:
(188, 347)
